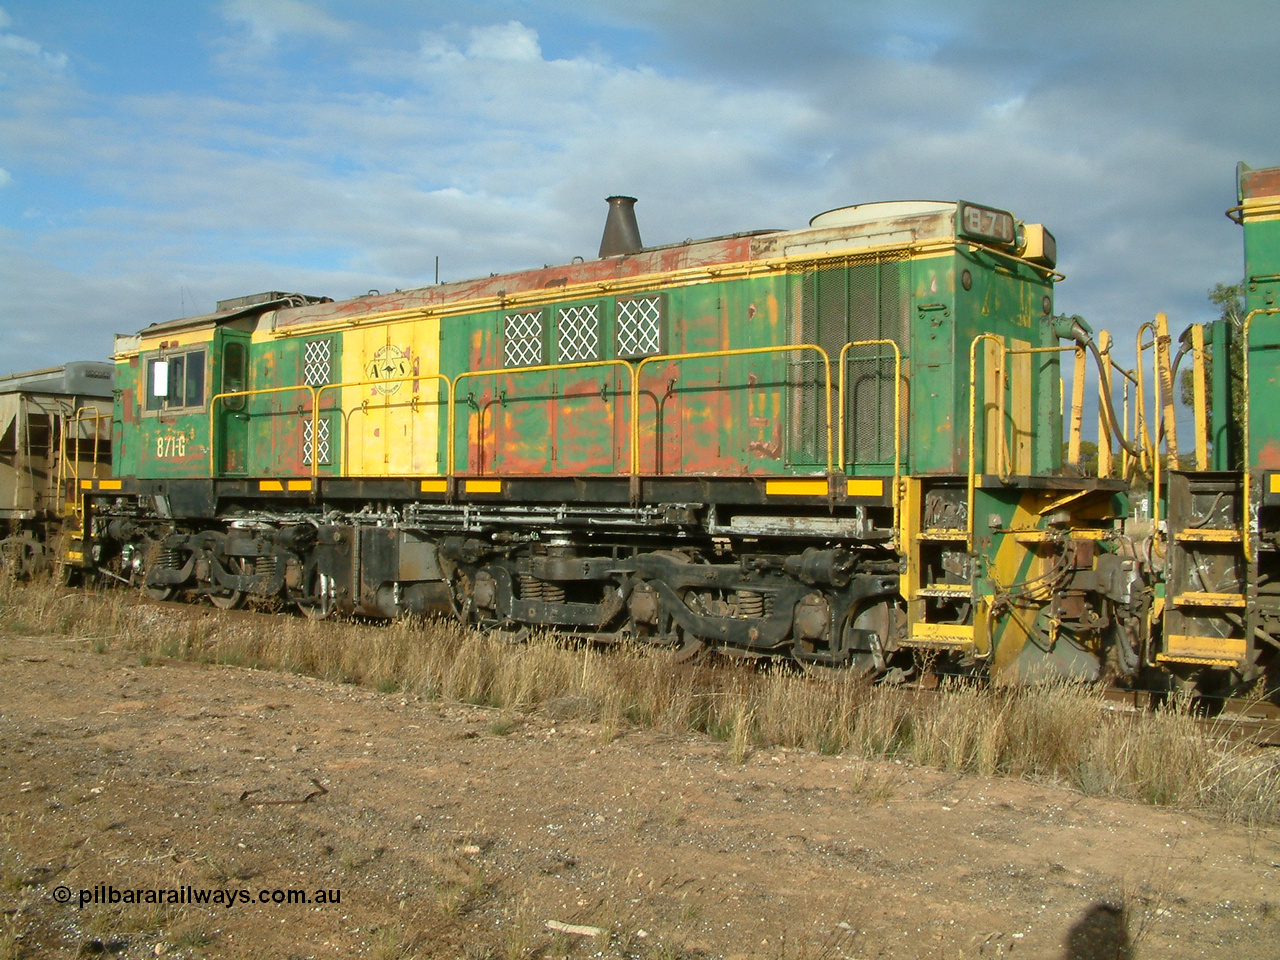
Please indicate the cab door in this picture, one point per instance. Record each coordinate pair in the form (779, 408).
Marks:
(232, 415)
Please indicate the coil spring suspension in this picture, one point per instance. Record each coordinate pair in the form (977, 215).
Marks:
(750, 603)
(531, 588)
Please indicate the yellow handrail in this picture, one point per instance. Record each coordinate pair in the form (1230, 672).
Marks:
(1147, 444)
(1077, 408)
(1248, 456)
(71, 424)
(897, 416)
(213, 403)
(1000, 412)
(1106, 464)
(541, 368)
(740, 352)
(1199, 393)
(315, 415)
(1169, 420)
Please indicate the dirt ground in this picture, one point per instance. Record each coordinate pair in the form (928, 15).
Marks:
(454, 831)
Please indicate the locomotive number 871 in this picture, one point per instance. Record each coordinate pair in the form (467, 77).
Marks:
(841, 443)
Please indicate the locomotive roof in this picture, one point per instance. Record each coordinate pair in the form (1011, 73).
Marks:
(864, 226)
(874, 225)
(80, 378)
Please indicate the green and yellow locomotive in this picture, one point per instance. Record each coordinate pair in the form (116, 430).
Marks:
(842, 444)
(1221, 610)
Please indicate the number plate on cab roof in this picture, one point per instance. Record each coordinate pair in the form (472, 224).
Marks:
(986, 223)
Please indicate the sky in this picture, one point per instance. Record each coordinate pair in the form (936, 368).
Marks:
(156, 157)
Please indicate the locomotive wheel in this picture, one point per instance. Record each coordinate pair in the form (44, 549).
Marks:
(321, 607)
(687, 646)
(230, 599)
(226, 601)
(317, 610)
(158, 593)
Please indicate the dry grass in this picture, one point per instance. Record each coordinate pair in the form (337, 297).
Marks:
(1054, 733)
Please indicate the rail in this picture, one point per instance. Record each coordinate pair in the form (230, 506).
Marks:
(897, 416)
(378, 381)
(710, 354)
(213, 405)
(1248, 454)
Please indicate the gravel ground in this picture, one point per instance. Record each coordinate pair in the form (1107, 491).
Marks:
(437, 830)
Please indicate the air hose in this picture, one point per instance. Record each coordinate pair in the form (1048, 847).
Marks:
(1074, 328)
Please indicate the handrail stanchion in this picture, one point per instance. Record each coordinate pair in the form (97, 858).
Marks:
(213, 403)
(1199, 395)
(315, 412)
(1106, 461)
(841, 401)
(711, 354)
(540, 368)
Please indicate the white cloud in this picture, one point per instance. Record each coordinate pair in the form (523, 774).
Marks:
(6, 177)
(468, 140)
(29, 48)
(268, 20)
(511, 41)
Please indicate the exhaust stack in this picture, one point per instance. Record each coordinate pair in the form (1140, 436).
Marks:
(621, 233)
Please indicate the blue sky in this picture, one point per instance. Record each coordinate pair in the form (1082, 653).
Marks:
(156, 157)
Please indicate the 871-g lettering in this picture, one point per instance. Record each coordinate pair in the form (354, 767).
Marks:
(171, 446)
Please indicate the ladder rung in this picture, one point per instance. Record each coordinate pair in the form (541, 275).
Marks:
(1206, 651)
(946, 590)
(943, 635)
(1212, 535)
(1193, 599)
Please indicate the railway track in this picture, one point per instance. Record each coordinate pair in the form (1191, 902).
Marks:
(1236, 720)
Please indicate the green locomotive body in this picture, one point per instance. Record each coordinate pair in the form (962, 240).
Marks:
(841, 443)
(1221, 624)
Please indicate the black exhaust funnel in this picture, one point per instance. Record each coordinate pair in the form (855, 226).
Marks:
(621, 233)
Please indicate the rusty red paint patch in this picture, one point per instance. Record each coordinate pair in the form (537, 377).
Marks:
(1269, 456)
(1260, 183)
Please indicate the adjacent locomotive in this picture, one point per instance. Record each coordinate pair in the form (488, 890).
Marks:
(1221, 619)
(842, 444)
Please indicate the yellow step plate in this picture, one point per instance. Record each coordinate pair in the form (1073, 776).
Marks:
(1210, 600)
(1207, 536)
(1209, 651)
(954, 636)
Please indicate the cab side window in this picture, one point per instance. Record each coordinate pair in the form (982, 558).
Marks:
(176, 381)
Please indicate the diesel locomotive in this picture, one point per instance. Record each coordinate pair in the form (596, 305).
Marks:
(843, 444)
(1218, 623)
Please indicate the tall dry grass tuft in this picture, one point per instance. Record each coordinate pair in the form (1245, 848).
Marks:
(1059, 733)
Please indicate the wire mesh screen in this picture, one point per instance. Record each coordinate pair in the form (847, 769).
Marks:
(856, 299)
